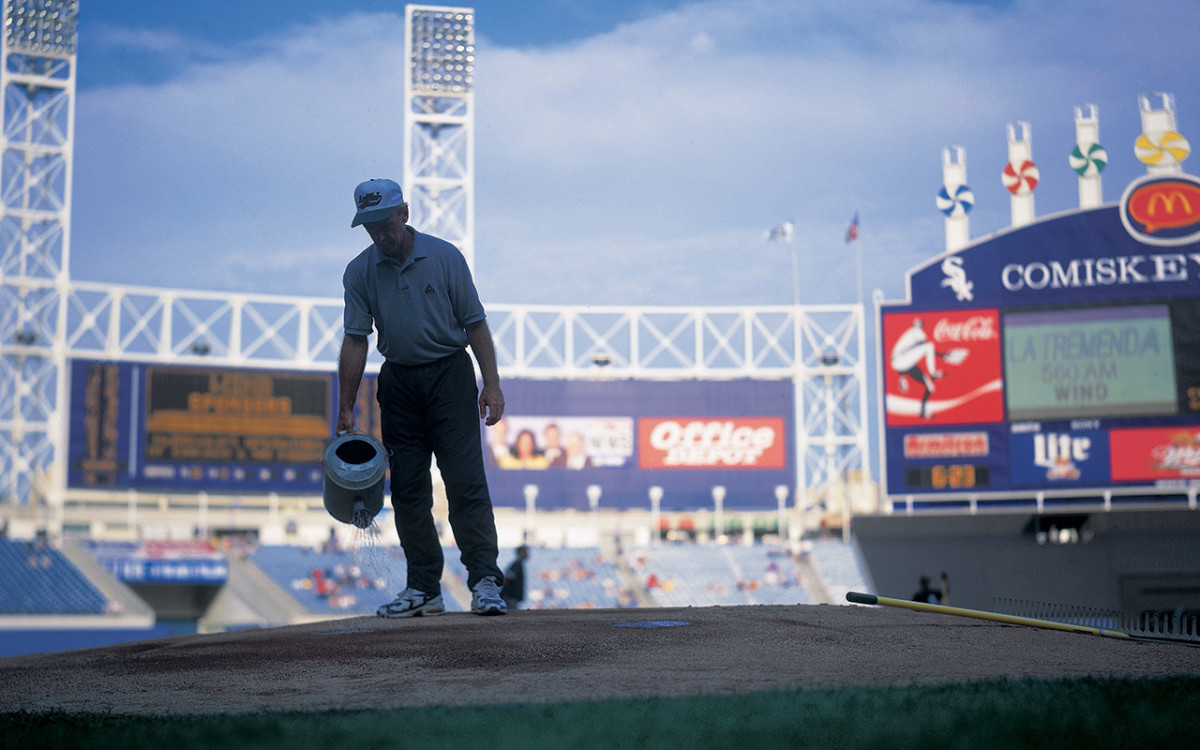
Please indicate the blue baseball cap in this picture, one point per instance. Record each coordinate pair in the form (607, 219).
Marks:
(375, 200)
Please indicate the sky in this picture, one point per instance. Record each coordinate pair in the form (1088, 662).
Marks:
(628, 152)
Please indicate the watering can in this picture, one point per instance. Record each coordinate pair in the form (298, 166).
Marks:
(355, 464)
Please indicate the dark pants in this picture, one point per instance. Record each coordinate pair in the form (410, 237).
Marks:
(433, 410)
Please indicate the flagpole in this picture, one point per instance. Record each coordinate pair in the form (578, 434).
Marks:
(859, 267)
(795, 271)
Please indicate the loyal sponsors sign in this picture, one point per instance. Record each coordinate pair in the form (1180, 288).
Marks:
(943, 367)
(1054, 459)
(1154, 453)
(946, 445)
(711, 443)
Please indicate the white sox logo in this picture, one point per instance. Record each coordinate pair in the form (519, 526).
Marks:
(956, 279)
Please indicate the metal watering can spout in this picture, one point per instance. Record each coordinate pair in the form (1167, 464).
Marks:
(355, 467)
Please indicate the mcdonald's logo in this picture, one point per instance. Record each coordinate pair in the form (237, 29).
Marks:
(1163, 210)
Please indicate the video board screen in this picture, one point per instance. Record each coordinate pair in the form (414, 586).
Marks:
(189, 428)
(1089, 362)
(236, 416)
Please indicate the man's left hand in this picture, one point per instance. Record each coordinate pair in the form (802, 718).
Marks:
(491, 404)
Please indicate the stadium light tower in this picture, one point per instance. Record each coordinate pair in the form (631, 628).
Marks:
(439, 123)
(38, 113)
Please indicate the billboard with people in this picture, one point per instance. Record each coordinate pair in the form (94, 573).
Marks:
(1061, 357)
(626, 436)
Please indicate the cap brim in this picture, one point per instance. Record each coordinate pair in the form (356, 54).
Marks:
(375, 214)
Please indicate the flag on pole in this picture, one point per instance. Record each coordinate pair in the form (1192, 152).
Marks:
(852, 232)
(783, 232)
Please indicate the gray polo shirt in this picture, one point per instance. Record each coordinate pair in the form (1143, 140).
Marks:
(420, 308)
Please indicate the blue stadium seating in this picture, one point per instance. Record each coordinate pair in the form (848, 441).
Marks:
(572, 578)
(334, 581)
(768, 575)
(681, 575)
(840, 568)
(41, 580)
(712, 575)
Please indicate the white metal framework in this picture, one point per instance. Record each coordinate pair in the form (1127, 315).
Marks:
(439, 122)
(37, 82)
(820, 348)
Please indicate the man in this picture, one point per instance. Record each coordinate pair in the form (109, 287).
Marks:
(513, 590)
(416, 291)
(927, 594)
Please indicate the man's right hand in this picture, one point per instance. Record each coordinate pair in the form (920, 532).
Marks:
(345, 422)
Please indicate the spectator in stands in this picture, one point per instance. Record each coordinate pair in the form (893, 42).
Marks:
(945, 588)
(513, 590)
(332, 544)
(927, 594)
(416, 292)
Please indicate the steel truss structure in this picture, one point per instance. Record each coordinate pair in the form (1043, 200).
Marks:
(37, 82)
(819, 348)
(439, 122)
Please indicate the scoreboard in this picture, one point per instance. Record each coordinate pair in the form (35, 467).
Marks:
(166, 427)
(1062, 356)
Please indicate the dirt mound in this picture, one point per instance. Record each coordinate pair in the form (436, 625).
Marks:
(554, 656)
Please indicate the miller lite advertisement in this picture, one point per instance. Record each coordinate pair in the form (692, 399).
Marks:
(942, 368)
(1155, 453)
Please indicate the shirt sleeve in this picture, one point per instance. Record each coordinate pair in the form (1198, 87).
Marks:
(357, 319)
(464, 297)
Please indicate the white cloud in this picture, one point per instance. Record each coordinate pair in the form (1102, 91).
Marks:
(640, 166)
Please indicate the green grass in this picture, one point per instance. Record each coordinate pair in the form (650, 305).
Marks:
(1089, 713)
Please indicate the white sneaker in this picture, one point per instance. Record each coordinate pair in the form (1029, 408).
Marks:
(413, 603)
(485, 598)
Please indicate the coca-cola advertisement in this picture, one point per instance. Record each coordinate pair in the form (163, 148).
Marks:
(1154, 453)
(711, 443)
(942, 367)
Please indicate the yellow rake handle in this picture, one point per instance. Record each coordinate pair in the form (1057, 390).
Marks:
(857, 598)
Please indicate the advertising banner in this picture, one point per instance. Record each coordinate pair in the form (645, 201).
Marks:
(561, 442)
(1155, 453)
(1059, 459)
(180, 563)
(942, 367)
(626, 436)
(698, 443)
